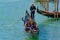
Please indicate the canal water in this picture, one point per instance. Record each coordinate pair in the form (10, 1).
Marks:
(12, 28)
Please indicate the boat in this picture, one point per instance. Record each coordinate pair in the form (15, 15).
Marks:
(32, 30)
(35, 31)
(54, 14)
(48, 13)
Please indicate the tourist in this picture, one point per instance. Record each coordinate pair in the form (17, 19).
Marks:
(27, 16)
(28, 25)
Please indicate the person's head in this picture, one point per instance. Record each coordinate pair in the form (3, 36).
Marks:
(32, 4)
(27, 13)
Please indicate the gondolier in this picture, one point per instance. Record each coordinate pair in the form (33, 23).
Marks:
(32, 9)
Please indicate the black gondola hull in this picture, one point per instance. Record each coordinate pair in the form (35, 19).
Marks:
(52, 15)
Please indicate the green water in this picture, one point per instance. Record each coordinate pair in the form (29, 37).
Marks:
(12, 10)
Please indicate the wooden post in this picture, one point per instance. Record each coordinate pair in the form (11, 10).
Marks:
(43, 3)
(56, 9)
(46, 5)
(40, 1)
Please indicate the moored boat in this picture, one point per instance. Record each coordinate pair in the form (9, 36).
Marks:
(48, 13)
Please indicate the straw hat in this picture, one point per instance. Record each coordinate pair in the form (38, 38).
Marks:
(32, 3)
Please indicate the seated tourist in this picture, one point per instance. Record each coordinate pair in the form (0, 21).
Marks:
(33, 25)
(27, 16)
(28, 25)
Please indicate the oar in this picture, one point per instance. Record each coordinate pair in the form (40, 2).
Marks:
(14, 22)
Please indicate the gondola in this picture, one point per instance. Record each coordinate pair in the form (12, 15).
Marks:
(48, 14)
(31, 31)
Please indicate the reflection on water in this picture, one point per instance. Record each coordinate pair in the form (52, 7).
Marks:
(31, 37)
(49, 30)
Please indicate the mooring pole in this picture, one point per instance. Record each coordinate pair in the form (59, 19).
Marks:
(56, 9)
(46, 5)
(40, 1)
(44, 2)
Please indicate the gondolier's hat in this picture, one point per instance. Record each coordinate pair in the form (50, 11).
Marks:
(32, 3)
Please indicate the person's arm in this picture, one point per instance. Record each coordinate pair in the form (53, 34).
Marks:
(22, 19)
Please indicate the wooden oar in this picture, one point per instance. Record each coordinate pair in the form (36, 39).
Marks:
(14, 22)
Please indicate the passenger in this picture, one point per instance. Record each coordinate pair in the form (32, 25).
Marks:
(33, 25)
(28, 25)
(27, 16)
